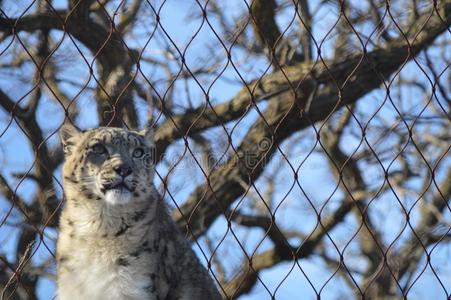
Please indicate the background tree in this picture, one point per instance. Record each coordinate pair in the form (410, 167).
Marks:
(303, 145)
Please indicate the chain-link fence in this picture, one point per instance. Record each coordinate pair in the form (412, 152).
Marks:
(302, 145)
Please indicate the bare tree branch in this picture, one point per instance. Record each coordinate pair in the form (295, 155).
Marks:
(294, 93)
(281, 119)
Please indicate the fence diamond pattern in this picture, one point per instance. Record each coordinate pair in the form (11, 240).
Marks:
(303, 146)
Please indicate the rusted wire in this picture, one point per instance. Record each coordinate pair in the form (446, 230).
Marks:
(286, 142)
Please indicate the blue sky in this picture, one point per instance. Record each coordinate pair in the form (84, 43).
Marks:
(295, 212)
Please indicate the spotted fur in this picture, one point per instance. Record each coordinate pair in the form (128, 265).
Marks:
(117, 240)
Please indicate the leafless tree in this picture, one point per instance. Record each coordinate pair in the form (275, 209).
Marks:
(289, 133)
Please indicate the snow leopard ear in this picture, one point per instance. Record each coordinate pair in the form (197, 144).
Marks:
(68, 134)
(149, 133)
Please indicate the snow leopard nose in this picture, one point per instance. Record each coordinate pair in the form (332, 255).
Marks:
(123, 169)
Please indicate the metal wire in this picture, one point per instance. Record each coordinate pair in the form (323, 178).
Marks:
(302, 145)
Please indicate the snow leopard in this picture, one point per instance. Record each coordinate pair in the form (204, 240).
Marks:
(117, 239)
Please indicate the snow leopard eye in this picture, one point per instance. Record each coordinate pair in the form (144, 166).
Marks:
(98, 149)
(138, 152)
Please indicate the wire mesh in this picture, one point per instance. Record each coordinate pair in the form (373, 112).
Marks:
(301, 145)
